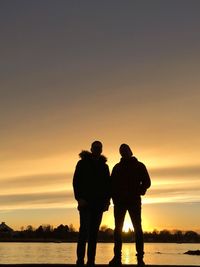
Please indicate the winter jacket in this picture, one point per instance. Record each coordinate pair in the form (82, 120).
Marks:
(129, 180)
(91, 180)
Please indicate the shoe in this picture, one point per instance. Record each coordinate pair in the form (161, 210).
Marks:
(88, 264)
(140, 263)
(79, 263)
(115, 262)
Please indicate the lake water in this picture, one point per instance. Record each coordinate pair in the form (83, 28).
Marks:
(156, 253)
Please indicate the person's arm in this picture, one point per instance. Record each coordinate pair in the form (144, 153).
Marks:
(108, 188)
(113, 181)
(77, 185)
(77, 181)
(145, 180)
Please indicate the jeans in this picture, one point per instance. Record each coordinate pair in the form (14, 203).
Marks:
(135, 215)
(90, 220)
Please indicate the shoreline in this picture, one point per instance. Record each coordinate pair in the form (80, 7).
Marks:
(72, 241)
(97, 265)
(73, 265)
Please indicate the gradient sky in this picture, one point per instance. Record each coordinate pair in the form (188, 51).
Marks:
(116, 71)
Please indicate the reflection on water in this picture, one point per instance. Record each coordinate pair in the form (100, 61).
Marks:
(156, 253)
(127, 252)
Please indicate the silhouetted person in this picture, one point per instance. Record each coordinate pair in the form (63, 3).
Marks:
(91, 184)
(129, 180)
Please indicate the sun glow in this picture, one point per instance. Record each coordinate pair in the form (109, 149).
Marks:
(127, 224)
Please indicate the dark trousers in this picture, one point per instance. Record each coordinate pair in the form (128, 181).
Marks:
(90, 220)
(135, 215)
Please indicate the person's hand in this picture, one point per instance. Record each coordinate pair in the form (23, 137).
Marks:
(143, 191)
(82, 203)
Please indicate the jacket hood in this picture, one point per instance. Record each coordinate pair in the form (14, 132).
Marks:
(88, 155)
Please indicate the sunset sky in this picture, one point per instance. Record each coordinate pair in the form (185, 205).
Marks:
(72, 72)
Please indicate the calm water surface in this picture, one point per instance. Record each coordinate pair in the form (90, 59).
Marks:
(156, 253)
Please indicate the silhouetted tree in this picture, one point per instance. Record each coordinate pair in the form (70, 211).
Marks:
(61, 231)
(71, 228)
(29, 228)
(191, 236)
(68, 233)
(178, 236)
(39, 232)
(165, 235)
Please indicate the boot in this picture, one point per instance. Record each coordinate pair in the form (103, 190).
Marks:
(115, 262)
(90, 264)
(80, 263)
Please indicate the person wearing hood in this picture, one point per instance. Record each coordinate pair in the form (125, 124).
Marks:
(129, 180)
(91, 183)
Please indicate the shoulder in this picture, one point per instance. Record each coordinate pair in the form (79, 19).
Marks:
(79, 163)
(117, 166)
(85, 155)
(106, 165)
(103, 159)
(141, 166)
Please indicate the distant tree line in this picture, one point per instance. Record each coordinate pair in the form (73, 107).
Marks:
(176, 236)
(65, 233)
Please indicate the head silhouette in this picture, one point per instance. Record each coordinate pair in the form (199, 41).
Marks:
(96, 148)
(125, 151)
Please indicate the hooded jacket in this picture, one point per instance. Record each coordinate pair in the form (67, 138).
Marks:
(129, 180)
(91, 180)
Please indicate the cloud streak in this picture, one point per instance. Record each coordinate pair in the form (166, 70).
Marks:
(37, 200)
(177, 172)
(55, 189)
(172, 193)
(64, 197)
(37, 191)
(37, 182)
(38, 179)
